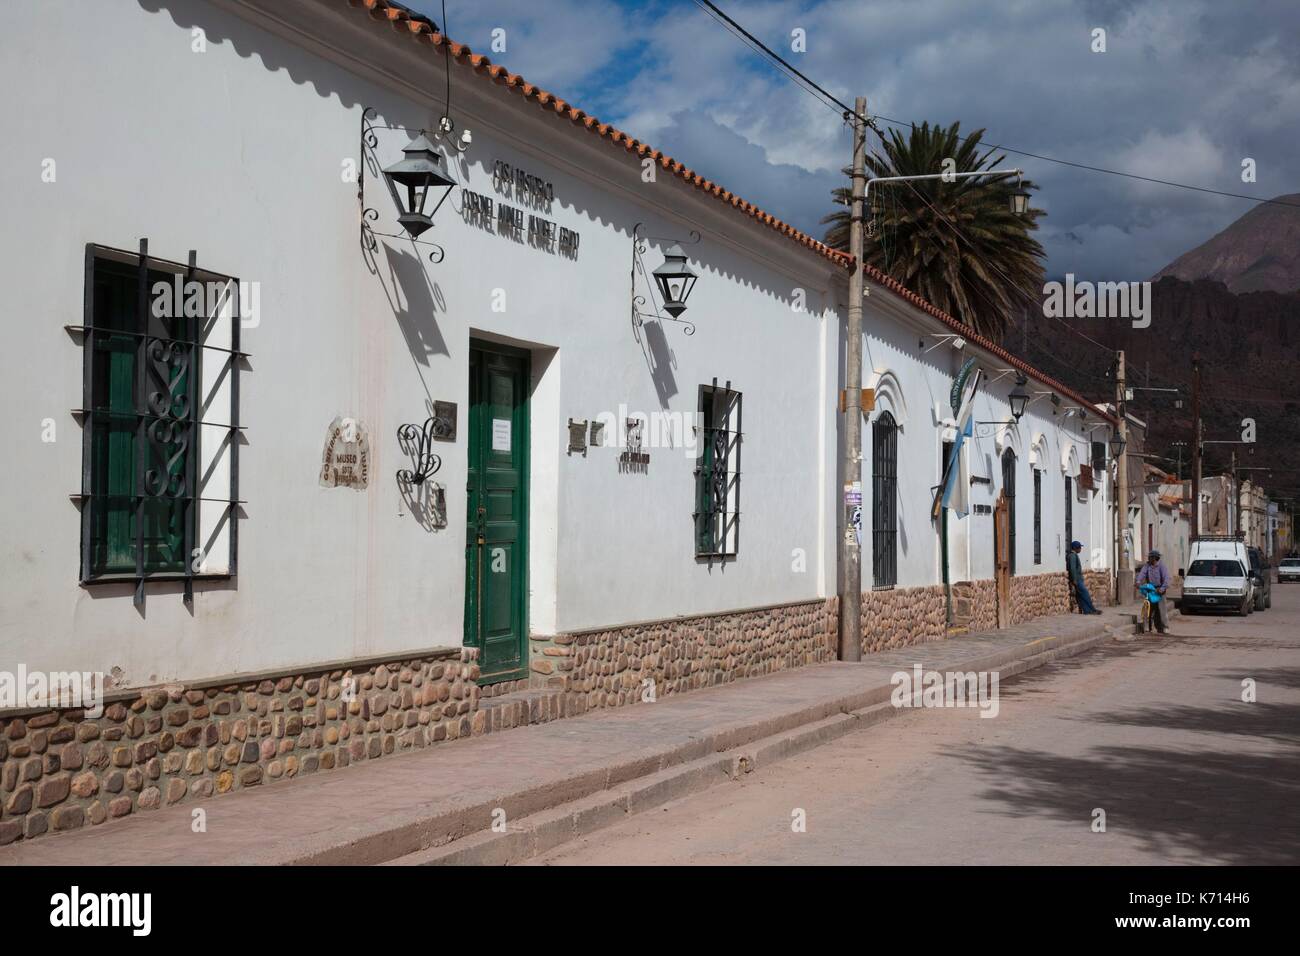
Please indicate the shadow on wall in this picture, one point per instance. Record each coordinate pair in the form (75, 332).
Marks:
(659, 360)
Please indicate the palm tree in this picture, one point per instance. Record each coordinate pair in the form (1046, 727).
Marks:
(956, 244)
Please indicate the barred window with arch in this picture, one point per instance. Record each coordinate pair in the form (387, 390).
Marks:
(884, 501)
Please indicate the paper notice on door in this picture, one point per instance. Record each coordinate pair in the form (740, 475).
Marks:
(501, 434)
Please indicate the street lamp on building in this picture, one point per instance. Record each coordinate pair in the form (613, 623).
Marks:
(419, 173)
(675, 280)
(1019, 398)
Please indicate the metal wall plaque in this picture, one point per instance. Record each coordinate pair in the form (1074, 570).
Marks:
(444, 421)
(633, 458)
(578, 437)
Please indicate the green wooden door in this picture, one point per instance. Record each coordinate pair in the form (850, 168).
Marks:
(496, 543)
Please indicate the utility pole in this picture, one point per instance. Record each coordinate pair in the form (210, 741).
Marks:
(1122, 572)
(1235, 524)
(850, 546)
(1196, 446)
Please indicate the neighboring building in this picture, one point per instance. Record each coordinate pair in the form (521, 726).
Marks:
(251, 516)
(1253, 510)
(1165, 519)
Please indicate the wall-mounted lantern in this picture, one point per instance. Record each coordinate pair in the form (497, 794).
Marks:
(419, 173)
(1019, 398)
(1117, 444)
(674, 280)
(418, 184)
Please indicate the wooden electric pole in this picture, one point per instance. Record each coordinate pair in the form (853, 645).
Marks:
(850, 546)
(1196, 446)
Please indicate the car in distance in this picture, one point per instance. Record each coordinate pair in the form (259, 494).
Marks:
(1288, 570)
(1218, 577)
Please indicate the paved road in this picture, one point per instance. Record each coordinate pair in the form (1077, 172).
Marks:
(1153, 731)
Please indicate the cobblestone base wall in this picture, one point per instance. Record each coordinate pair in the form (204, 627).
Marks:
(902, 616)
(1099, 585)
(1036, 595)
(975, 604)
(615, 667)
(60, 769)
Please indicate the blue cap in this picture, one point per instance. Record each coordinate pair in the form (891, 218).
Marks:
(1076, 544)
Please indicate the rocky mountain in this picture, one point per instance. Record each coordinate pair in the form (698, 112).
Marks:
(1260, 252)
(1249, 344)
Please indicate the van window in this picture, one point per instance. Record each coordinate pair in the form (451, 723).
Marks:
(1221, 568)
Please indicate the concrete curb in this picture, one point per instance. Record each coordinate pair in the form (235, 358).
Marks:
(789, 735)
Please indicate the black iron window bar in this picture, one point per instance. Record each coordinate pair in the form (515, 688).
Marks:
(368, 157)
(641, 245)
(168, 422)
(717, 528)
(884, 516)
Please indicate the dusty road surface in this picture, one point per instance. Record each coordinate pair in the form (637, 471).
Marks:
(1152, 731)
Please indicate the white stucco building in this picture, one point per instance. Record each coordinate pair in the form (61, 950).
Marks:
(212, 500)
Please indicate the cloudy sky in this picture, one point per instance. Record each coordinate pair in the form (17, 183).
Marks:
(1185, 90)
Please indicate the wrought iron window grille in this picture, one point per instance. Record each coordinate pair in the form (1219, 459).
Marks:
(1038, 516)
(717, 475)
(884, 501)
(369, 159)
(1009, 489)
(164, 424)
(641, 245)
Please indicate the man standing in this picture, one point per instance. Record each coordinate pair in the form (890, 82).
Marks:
(1155, 573)
(1074, 569)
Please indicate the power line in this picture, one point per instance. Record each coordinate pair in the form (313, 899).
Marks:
(789, 69)
(811, 86)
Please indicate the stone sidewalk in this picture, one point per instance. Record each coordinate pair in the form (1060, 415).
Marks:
(377, 812)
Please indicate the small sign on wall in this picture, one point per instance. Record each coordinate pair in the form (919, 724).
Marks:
(346, 460)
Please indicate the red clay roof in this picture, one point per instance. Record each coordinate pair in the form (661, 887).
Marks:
(421, 28)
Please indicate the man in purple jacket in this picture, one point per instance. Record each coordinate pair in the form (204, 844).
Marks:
(1154, 572)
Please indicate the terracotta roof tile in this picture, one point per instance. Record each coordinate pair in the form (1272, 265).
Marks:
(419, 26)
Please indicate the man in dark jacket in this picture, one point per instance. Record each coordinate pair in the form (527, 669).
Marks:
(1074, 568)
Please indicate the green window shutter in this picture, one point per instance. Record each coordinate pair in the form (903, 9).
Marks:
(115, 437)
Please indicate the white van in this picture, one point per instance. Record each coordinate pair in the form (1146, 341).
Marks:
(1218, 577)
